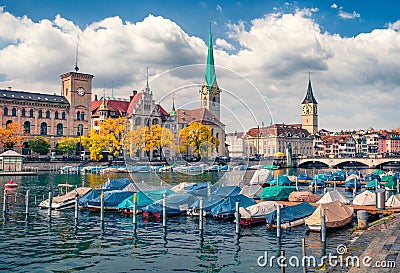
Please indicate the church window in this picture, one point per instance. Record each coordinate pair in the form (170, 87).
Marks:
(27, 127)
(43, 129)
(138, 122)
(82, 116)
(60, 128)
(147, 122)
(213, 101)
(78, 115)
(217, 135)
(47, 114)
(31, 113)
(23, 112)
(155, 121)
(56, 114)
(40, 113)
(14, 112)
(63, 115)
(5, 111)
(8, 122)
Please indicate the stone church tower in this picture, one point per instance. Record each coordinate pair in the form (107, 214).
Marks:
(309, 114)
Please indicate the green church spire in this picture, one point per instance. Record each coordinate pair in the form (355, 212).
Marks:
(173, 111)
(210, 69)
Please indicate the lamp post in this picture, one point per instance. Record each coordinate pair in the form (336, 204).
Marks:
(258, 139)
(80, 131)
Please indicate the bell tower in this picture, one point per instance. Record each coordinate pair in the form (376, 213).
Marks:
(309, 107)
(210, 94)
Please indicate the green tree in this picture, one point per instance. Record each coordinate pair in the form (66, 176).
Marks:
(199, 137)
(67, 145)
(39, 145)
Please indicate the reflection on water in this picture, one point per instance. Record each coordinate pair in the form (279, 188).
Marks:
(39, 245)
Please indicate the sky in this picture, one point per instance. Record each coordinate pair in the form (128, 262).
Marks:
(263, 51)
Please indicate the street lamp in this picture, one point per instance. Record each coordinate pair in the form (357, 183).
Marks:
(80, 131)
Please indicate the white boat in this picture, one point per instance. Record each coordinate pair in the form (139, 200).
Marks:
(337, 215)
(393, 201)
(252, 191)
(366, 198)
(65, 201)
(260, 176)
(331, 196)
(256, 213)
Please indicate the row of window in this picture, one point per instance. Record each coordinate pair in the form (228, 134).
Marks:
(138, 122)
(43, 128)
(30, 113)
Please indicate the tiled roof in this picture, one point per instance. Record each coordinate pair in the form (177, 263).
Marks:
(202, 115)
(133, 104)
(340, 139)
(287, 130)
(118, 106)
(29, 96)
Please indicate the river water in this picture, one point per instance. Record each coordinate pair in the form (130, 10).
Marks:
(40, 245)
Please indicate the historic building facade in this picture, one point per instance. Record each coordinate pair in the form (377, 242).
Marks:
(50, 116)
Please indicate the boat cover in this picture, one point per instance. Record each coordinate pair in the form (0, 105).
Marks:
(304, 196)
(372, 184)
(352, 176)
(228, 206)
(116, 184)
(350, 183)
(378, 172)
(280, 180)
(81, 191)
(393, 201)
(93, 194)
(320, 182)
(252, 191)
(260, 210)
(370, 177)
(291, 213)
(260, 176)
(181, 187)
(208, 202)
(277, 193)
(331, 196)
(391, 182)
(321, 176)
(200, 189)
(337, 214)
(304, 176)
(225, 191)
(365, 198)
(338, 177)
(144, 198)
(176, 203)
(140, 186)
(111, 198)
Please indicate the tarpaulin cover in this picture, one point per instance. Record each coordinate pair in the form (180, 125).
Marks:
(277, 193)
(280, 180)
(352, 176)
(176, 203)
(225, 191)
(291, 213)
(116, 184)
(111, 198)
(304, 196)
(365, 198)
(393, 201)
(181, 187)
(391, 182)
(304, 176)
(252, 191)
(350, 184)
(260, 210)
(144, 198)
(228, 206)
(337, 214)
(320, 182)
(321, 176)
(372, 184)
(260, 176)
(80, 192)
(208, 202)
(93, 194)
(331, 196)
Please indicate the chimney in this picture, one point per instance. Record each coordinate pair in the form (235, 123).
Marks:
(134, 92)
(95, 97)
(9, 88)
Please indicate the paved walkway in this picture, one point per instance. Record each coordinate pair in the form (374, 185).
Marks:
(378, 246)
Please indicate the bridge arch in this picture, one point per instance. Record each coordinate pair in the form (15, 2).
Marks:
(313, 164)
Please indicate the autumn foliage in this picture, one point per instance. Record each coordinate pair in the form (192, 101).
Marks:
(12, 136)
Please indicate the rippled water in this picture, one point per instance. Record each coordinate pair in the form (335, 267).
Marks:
(38, 245)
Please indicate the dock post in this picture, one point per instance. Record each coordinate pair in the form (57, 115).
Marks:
(325, 190)
(5, 197)
(237, 216)
(76, 209)
(354, 189)
(201, 216)
(35, 200)
(297, 186)
(164, 212)
(50, 204)
(208, 189)
(27, 203)
(134, 210)
(102, 210)
(398, 186)
(15, 197)
(282, 261)
(303, 248)
(334, 184)
(323, 226)
(315, 185)
(278, 221)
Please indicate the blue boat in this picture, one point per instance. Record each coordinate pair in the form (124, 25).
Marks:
(227, 208)
(111, 200)
(200, 189)
(369, 177)
(225, 191)
(291, 216)
(321, 176)
(338, 176)
(143, 198)
(116, 184)
(280, 180)
(349, 185)
(303, 177)
(176, 204)
(93, 194)
(320, 183)
(372, 184)
(208, 204)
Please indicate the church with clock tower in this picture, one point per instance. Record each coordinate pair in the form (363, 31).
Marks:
(309, 114)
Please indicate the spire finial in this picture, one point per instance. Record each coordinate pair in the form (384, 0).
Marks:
(76, 59)
(147, 79)
(309, 75)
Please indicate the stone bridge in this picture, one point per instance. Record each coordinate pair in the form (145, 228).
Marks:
(347, 161)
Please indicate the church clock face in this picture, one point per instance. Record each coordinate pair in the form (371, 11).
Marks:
(306, 110)
(80, 91)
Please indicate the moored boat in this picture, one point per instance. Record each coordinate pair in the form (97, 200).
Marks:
(226, 209)
(11, 184)
(257, 213)
(291, 216)
(366, 198)
(304, 196)
(275, 193)
(331, 196)
(65, 201)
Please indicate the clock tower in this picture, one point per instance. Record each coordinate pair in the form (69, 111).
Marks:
(210, 94)
(77, 89)
(309, 110)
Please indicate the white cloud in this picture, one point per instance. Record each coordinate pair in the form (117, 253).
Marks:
(355, 80)
(219, 8)
(334, 6)
(346, 15)
(223, 44)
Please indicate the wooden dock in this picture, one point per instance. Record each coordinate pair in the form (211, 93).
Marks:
(24, 173)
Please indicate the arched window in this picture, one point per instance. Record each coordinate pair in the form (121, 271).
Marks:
(5, 111)
(43, 129)
(138, 122)
(78, 115)
(60, 128)
(80, 130)
(56, 114)
(40, 113)
(213, 101)
(47, 114)
(27, 127)
(155, 121)
(147, 122)
(23, 112)
(63, 115)
(14, 112)
(8, 122)
(82, 116)
(31, 113)
(216, 135)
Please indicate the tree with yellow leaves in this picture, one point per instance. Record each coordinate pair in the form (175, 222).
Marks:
(67, 145)
(12, 136)
(199, 137)
(135, 140)
(95, 144)
(113, 130)
(158, 138)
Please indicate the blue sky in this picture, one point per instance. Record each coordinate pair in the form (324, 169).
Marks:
(351, 47)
